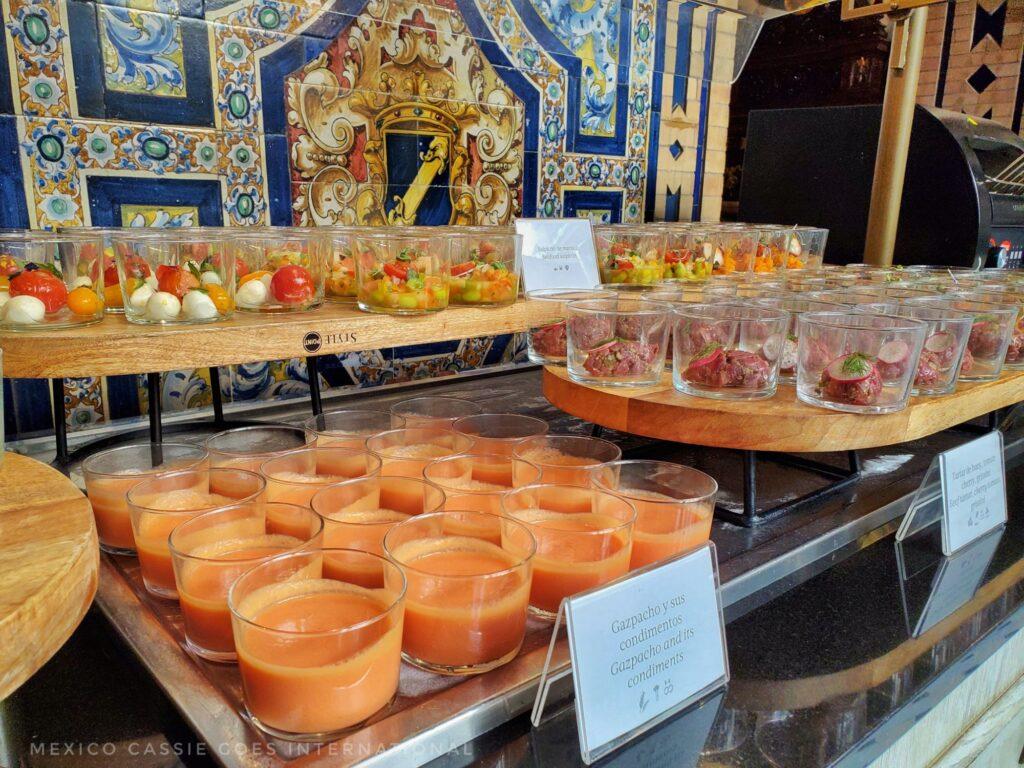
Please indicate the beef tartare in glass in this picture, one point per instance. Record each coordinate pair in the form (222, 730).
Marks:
(617, 342)
(547, 344)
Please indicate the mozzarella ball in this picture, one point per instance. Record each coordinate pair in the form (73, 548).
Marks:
(163, 306)
(80, 281)
(198, 306)
(140, 296)
(210, 278)
(24, 310)
(252, 294)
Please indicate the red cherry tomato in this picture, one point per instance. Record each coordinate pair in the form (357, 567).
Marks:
(396, 271)
(176, 280)
(45, 286)
(462, 269)
(623, 264)
(133, 267)
(292, 284)
(241, 270)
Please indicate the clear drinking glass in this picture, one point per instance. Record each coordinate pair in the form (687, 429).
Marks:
(161, 503)
(295, 476)
(546, 344)
(468, 576)
(318, 635)
(727, 351)
(499, 432)
(249, 447)
(176, 276)
(431, 411)
(340, 284)
(113, 302)
(348, 427)
(566, 459)
(477, 481)
(630, 256)
(674, 504)
(685, 257)
(406, 452)
(357, 513)
(617, 342)
(794, 306)
(109, 475)
(209, 553)
(403, 272)
(280, 269)
(584, 538)
(858, 363)
(49, 281)
(991, 334)
(485, 266)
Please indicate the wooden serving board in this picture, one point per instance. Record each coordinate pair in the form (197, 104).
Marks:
(780, 423)
(115, 346)
(49, 558)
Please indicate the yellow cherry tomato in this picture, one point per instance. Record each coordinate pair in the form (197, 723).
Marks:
(219, 297)
(112, 296)
(84, 301)
(5, 283)
(254, 276)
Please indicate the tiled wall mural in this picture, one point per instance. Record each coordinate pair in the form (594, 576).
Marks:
(184, 112)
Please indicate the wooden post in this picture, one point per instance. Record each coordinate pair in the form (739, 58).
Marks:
(894, 136)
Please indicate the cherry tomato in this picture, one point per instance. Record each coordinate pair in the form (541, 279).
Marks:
(623, 264)
(241, 269)
(176, 280)
(45, 286)
(292, 284)
(257, 275)
(112, 296)
(84, 301)
(219, 297)
(134, 266)
(396, 271)
(618, 249)
(461, 269)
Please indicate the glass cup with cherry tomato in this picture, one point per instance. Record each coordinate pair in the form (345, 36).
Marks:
(176, 276)
(485, 266)
(282, 269)
(629, 255)
(402, 271)
(340, 284)
(112, 300)
(686, 259)
(49, 280)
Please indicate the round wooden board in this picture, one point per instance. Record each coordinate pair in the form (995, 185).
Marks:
(780, 423)
(115, 346)
(49, 559)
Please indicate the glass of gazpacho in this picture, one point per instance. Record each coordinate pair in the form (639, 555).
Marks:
(431, 411)
(347, 428)
(567, 459)
(357, 513)
(318, 653)
(577, 548)
(407, 451)
(210, 551)
(158, 505)
(468, 594)
(249, 447)
(478, 480)
(111, 474)
(295, 476)
(674, 505)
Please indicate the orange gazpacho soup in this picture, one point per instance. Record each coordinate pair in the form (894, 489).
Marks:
(153, 528)
(203, 585)
(575, 552)
(466, 603)
(319, 656)
(560, 467)
(410, 460)
(666, 526)
(108, 497)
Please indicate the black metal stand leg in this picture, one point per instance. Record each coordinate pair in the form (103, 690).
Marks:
(313, 371)
(218, 398)
(60, 427)
(993, 420)
(749, 485)
(596, 431)
(156, 434)
(855, 466)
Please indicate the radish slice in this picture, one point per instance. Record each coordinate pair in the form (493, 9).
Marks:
(710, 355)
(893, 352)
(851, 368)
(772, 347)
(789, 354)
(601, 347)
(939, 342)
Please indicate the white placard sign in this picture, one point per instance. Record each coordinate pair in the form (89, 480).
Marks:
(558, 253)
(643, 648)
(973, 490)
